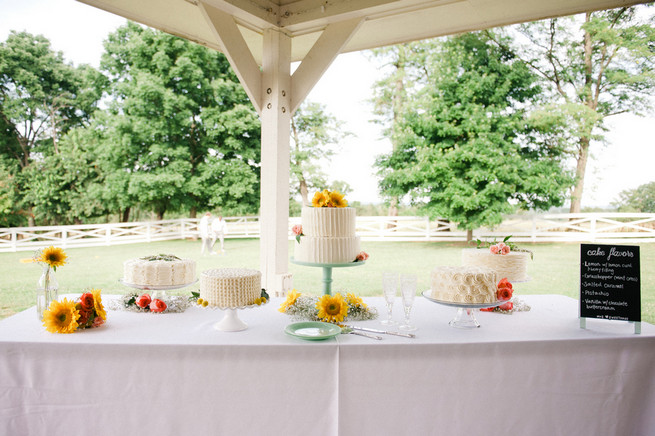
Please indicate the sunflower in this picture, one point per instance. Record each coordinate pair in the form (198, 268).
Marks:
(332, 308)
(97, 304)
(354, 300)
(290, 301)
(321, 199)
(337, 200)
(53, 256)
(61, 317)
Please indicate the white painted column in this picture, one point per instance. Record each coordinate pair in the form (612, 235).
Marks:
(275, 122)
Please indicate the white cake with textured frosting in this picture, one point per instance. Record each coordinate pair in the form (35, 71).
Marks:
(159, 270)
(230, 287)
(328, 235)
(464, 284)
(513, 265)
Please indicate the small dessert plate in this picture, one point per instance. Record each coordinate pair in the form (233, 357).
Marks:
(313, 330)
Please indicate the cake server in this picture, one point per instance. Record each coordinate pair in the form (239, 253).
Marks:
(385, 332)
(349, 330)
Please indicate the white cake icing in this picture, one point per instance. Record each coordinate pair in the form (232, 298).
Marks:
(159, 270)
(513, 266)
(328, 235)
(230, 287)
(464, 284)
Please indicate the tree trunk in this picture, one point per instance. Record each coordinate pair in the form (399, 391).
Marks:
(304, 193)
(125, 216)
(469, 235)
(583, 156)
(193, 213)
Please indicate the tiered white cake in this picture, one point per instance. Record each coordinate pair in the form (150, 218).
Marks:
(464, 284)
(230, 287)
(328, 235)
(513, 265)
(159, 270)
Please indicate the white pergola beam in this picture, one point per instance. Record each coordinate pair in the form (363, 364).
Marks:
(320, 57)
(237, 52)
(276, 122)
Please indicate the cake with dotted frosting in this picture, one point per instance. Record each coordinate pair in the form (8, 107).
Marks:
(513, 265)
(463, 284)
(230, 287)
(159, 270)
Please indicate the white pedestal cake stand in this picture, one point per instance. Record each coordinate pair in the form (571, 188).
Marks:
(464, 318)
(231, 321)
(159, 291)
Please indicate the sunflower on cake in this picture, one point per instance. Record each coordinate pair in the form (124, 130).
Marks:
(327, 231)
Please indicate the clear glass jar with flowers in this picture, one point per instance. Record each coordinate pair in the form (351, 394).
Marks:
(47, 287)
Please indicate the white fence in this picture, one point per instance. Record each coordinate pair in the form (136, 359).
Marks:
(586, 227)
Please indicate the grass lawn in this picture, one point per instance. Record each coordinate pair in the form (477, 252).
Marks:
(555, 269)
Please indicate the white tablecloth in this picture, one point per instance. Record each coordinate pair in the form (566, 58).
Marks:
(529, 373)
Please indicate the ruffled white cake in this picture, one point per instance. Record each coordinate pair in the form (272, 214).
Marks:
(464, 284)
(328, 235)
(230, 287)
(513, 266)
(159, 270)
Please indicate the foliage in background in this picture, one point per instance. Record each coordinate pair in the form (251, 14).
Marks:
(640, 199)
(593, 66)
(181, 133)
(315, 136)
(42, 98)
(461, 152)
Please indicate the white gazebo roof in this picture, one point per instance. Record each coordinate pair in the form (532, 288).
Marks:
(261, 38)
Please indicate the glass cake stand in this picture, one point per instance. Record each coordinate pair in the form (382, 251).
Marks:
(159, 291)
(230, 321)
(327, 271)
(464, 318)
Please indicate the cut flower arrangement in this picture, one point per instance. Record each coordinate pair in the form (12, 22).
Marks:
(504, 293)
(327, 198)
(502, 248)
(135, 302)
(328, 308)
(67, 316)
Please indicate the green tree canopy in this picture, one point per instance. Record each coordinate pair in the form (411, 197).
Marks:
(462, 150)
(181, 133)
(640, 199)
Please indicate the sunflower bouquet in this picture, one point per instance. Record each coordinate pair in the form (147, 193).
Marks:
(328, 308)
(327, 198)
(67, 316)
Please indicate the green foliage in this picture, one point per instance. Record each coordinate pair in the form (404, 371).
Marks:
(181, 133)
(640, 199)
(462, 153)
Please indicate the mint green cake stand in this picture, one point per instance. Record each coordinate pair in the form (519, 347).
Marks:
(327, 271)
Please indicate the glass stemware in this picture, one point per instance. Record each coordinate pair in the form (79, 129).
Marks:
(408, 292)
(389, 287)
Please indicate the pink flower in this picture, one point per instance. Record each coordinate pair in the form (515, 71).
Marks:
(505, 250)
(297, 229)
(507, 306)
(494, 249)
(361, 256)
(97, 322)
(143, 301)
(157, 305)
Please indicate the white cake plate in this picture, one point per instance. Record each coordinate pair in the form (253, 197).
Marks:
(159, 291)
(464, 318)
(231, 321)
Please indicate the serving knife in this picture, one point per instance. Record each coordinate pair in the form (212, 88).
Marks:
(385, 332)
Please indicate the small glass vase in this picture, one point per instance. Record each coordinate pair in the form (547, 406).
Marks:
(46, 291)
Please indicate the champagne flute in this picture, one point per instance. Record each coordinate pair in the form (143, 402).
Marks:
(408, 292)
(389, 287)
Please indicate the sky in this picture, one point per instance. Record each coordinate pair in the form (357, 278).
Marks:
(78, 30)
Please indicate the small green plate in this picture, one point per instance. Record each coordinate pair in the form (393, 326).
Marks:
(313, 330)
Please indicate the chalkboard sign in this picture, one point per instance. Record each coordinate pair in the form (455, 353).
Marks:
(610, 282)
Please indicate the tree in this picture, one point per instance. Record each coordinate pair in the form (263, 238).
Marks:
(41, 98)
(463, 152)
(181, 133)
(594, 65)
(314, 137)
(640, 199)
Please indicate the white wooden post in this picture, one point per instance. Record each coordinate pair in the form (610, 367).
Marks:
(276, 120)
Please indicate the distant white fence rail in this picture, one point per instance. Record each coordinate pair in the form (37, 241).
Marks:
(584, 227)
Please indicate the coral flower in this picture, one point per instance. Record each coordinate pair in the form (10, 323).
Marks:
(97, 304)
(332, 308)
(61, 317)
(53, 256)
(290, 301)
